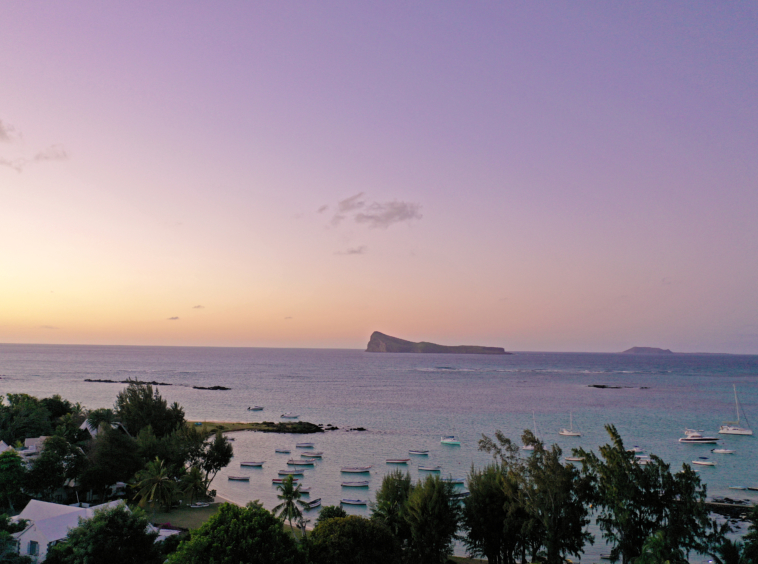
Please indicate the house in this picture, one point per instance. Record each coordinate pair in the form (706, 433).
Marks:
(3, 447)
(49, 523)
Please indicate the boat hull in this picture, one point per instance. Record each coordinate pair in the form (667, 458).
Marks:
(728, 430)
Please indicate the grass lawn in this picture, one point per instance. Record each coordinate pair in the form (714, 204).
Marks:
(185, 517)
(210, 427)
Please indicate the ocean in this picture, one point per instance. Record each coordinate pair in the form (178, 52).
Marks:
(408, 401)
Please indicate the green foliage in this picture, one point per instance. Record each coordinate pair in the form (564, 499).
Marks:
(23, 417)
(433, 517)
(155, 486)
(138, 406)
(634, 502)
(8, 553)
(97, 417)
(192, 485)
(112, 458)
(57, 463)
(112, 536)
(750, 548)
(216, 455)
(12, 478)
(59, 407)
(239, 535)
(391, 504)
(290, 495)
(353, 540)
(330, 512)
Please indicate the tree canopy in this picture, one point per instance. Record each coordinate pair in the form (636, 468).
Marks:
(353, 540)
(138, 406)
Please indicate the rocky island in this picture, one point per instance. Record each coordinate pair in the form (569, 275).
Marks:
(382, 343)
(647, 350)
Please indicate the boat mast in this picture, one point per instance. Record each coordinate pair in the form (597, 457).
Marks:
(736, 403)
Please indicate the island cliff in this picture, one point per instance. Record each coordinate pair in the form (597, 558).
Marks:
(646, 350)
(382, 343)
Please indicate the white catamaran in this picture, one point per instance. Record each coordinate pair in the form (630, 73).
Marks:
(570, 431)
(733, 427)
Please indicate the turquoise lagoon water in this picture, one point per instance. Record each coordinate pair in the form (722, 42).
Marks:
(407, 401)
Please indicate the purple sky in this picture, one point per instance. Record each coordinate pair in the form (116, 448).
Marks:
(540, 176)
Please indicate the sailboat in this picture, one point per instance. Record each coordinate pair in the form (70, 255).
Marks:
(570, 431)
(534, 424)
(733, 427)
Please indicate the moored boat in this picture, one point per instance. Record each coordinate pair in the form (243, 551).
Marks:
(397, 460)
(703, 461)
(305, 490)
(312, 455)
(454, 480)
(419, 452)
(570, 431)
(733, 427)
(312, 504)
(291, 472)
(355, 469)
(430, 468)
(255, 408)
(697, 438)
(574, 458)
(354, 501)
(362, 484)
(289, 415)
(304, 462)
(239, 478)
(722, 451)
(460, 495)
(635, 449)
(282, 450)
(304, 445)
(450, 440)
(282, 480)
(252, 464)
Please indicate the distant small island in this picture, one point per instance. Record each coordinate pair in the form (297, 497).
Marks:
(647, 350)
(382, 343)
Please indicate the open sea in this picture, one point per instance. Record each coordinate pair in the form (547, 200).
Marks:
(407, 401)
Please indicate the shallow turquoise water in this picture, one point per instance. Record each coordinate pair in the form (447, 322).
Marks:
(408, 401)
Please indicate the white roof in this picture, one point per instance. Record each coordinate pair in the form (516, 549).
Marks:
(35, 443)
(54, 520)
(3, 447)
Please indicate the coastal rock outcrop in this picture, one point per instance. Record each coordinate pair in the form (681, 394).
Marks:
(382, 343)
(647, 350)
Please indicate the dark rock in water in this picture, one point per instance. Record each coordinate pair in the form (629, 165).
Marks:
(604, 387)
(210, 388)
(106, 381)
(356, 429)
(382, 343)
(646, 350)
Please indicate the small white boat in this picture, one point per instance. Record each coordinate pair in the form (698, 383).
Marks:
(303, 445)
(450, 440)
(737, 488)
(419, 452)
(460, 495)
(304, 462)
(733, 427)
(697, 438)
(252, 464)
(574, 458)
(291, 472)
(282, 480)
(363, 484)
(527, 447)
(430, 468)
(290, 415)
(354, 501)
(397, 460)
(312, 455)
(282, 450)
(642, 459)
(570, 431)
(722, 451)
(703, 461)
(255, 408)
(635, 449)
(304, 490)
(312, 504)
(605, 557)
(454, 480)
(239, 478)
(355, 469)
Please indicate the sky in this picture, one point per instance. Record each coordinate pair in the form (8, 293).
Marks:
(554, 176)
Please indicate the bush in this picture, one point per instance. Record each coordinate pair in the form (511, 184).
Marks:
(353, 540)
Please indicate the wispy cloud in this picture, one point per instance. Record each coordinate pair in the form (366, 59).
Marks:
(323, 208)
(288, 317)
(353, 251)
(47, 327)
(373, 214)
(383, 215)
(8, 133)
(52, 153)
(173, 319)
(198, 307)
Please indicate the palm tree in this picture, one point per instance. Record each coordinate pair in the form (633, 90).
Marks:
(155, 486)
(290, 496)
(193, 484)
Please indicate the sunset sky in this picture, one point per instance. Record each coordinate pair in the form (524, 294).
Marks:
(554, 176)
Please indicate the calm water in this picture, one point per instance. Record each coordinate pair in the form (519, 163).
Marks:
(408, 401)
